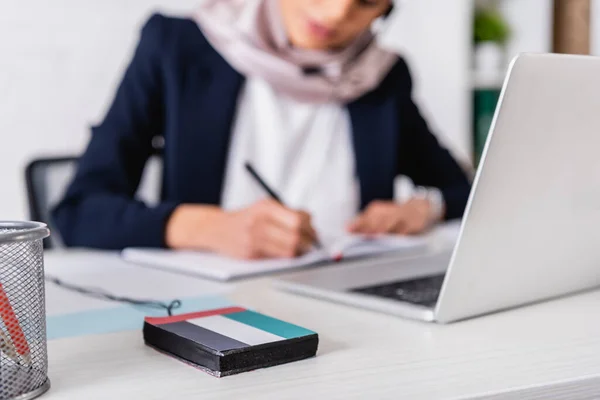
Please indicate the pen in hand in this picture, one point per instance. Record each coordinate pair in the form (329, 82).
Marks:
(272, 193)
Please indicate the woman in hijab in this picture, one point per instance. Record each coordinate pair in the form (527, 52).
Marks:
(299, 89)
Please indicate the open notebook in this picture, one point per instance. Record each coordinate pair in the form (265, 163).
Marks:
(214, 266)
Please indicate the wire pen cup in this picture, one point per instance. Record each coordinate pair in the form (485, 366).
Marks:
(23, 345)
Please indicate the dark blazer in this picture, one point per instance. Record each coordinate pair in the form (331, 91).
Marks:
(179, 88)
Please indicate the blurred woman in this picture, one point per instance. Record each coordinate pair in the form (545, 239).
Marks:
(298, 88)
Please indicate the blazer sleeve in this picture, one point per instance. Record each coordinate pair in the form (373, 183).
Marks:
(99, 209)
(424, 159)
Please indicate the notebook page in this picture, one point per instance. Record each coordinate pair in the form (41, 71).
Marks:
(218, 267)
(214, 266)
(359, 245)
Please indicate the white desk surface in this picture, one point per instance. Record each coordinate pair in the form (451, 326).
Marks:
(361, 354)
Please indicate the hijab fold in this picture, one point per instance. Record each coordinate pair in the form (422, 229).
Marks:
(251, 37)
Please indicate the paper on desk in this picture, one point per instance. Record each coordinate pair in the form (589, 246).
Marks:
(73, 314)
(119, 319)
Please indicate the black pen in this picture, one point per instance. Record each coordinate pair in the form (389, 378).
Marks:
(271, 193)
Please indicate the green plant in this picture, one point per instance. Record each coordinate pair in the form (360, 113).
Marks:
(490, 26)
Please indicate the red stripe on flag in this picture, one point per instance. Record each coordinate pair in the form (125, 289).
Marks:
(185, 317)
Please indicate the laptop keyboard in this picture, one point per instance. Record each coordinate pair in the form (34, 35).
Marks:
(422, 291)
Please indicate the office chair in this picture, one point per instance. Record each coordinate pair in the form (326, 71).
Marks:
(47, 180)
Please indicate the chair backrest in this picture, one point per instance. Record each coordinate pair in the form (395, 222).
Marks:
(47, 180)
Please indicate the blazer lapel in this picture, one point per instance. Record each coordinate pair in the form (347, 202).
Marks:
(375, 134)
(210, 90)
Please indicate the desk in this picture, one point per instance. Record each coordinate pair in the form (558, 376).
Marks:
(361, 355)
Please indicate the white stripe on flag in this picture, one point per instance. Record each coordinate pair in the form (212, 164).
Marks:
(236, 330)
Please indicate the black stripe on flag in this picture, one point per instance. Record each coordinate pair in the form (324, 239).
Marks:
(201, 335)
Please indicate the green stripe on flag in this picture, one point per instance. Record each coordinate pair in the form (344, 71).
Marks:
(269, 324)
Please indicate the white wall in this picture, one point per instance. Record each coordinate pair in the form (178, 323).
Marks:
(60, 61)
(531, 25)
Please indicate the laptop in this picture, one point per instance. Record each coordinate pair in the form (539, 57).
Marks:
(531, 228)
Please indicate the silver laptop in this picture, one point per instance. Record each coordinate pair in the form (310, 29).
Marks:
(531, 230)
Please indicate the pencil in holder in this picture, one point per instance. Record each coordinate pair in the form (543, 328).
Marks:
(23, 345)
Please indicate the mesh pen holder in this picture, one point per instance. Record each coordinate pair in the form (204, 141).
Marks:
(23, 349)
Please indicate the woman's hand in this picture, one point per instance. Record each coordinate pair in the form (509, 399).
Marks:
(264, 230)
(382, 217)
